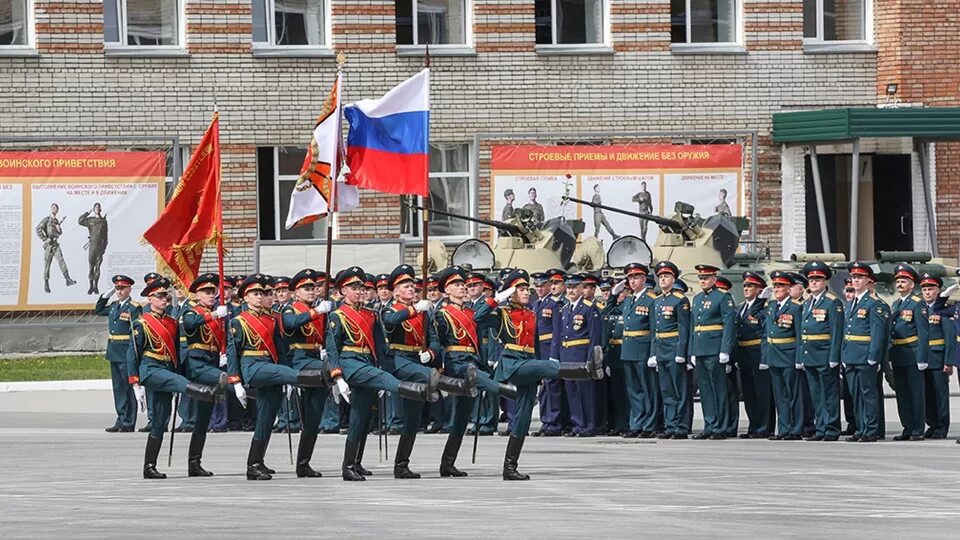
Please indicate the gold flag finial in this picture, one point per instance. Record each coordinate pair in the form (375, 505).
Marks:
(341, 58)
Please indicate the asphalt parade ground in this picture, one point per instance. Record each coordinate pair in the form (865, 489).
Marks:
(63, 477)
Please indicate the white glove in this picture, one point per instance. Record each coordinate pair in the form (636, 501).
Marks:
(220, 312)
(618, 288)
(141, 396)
(501, 296)
(724, 358)
(923, 367)
(680, 359)
(289, 389)
(652, 361)
(833, 365)
(445, 394)
(763, 367)
(871, 362)
(607, 370)
(425, 357)
(380, 394)
(693, 361)
(324, 306)
(223, 360)
(341, 389)
(491, 363)
(798, 366)
(552, 359)
(241, 394)
(422, 305)
(767, 292)
(323, 354)
(949, 290)
(112, 292)
(727, 369)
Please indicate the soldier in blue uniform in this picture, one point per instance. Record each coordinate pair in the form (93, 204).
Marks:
(202, 323)
(712, 340)
(757, 389)
(618, 406)
(909, 352)
(120, 313)
(781, 355)
(642, 387)
(821, 338)
(153, 362)
(355, 346)
(256, 355)
(670, 325)
(547, 308)
(942, 339)
(864, 344)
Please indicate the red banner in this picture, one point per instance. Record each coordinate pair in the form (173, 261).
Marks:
(626, 157)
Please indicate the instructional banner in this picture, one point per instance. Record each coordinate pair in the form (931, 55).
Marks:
(648, 179)
(69, 221)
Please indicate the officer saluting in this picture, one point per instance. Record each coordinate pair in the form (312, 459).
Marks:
(909, 352)
(781, 355)
(121, 313)
(711, 342)
(757, 389)
(822, 336)
(670, 324)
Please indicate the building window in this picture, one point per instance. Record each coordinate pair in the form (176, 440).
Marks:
(450, 191)
(570, 22)
(704, 21)
(142, 23)
(289, 22)
(278, 169)
(835, 20)
(433, 22)
(14, 22)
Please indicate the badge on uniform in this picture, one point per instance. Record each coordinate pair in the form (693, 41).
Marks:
(707, 304)
(785, 321)
(577, 322)
(643, 311)
(752, 320)
(906, 315)
(861, 314)
(546, 313)
(125, 316)
(667, 312)
(934, 319)
(819, 315)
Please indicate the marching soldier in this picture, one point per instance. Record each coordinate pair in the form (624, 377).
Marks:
(49, 230)
(412, 348)
(909, 352)
(757, 389)
(519, 365)
(942, 338)
(256, 355)
(548, 309)
(580, 331)
(152, 362)
(864, 344)
(203, 326)
(670, 324)
(821, 338)
(96, 245)
(479, 288)
(355, 346)
(289, 416)
(121, 312)
(642, 386)
(711, 343)
(781, 355)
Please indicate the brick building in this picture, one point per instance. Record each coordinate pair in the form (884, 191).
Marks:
(153, 68)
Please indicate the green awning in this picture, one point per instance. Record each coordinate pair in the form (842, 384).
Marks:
(832, 125)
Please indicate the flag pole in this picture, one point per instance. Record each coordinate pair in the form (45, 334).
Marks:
(340, 158)
(425, 215)
(219, 228)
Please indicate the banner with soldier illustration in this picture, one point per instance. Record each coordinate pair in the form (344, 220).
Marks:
(647, 179)
(69, 221)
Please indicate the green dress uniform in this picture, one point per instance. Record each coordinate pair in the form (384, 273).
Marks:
(757, 387)
(612, 339)
(712, 340)
(942, 339)
(821, 339)
(119, 317)
(781, 353)
(670, 324)
(488, 403)
(642, 386)
(187, 410)
(910, 356)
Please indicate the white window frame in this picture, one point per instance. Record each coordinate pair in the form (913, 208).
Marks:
(604, 47)
(816, 44)
(29, 25)
(121, 45)
(270, 48)
(280, 215)
(471, 176)
(732, 46)
(467, 29)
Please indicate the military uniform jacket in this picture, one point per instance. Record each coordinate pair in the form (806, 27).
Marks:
(404, 330)
(612, 337)
(154, 345)
(670, 324)
(943, 336)
(486, 329)
(580, 331)
(254, 337)
(516, 331)
(205, 334)
(637, 334)
(750, 328)
(97, 227)
(353, 333)
(782, 331)
(120, 316)
(910, 342)
(548, 320)
(821, 330)
(457, 332)
(713, 317)
(865, 331)
(49, 229)
(303, 330)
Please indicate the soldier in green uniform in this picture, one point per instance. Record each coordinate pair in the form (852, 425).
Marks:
(781, 355)
(821, 338)
(864, 344)
(355, 346)
(757, 389)
(96, 246)
(943, 340)
(153, 362)
(733, 378)
(49, 230)
(712, 340)
(909, 352)
(289, 416)
(642, 387)
(670, 324)
(618, 406)
(120, 313)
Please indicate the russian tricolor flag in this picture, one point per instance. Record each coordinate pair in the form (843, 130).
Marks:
(388, 143)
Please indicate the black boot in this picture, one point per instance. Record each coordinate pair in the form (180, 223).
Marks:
(514, 446)
(466, 386)
(46, 285)
(357, 466)
(197, 440)
(96, 288)
(202, 392)
(312, 378)
(70, 282)
(90, 287)
(401, 463)
(573, 371)
(255, 461)
(150, 459)
(349, 462)
(304, 453)
(449, 457)
(508, 391)
(416, 391)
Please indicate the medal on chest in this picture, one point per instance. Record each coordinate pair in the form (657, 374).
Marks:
(577, 322)
(906, 315)
(861, 314)
(547, 313)
(820, 315)
(785, 321)
(667, 312)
